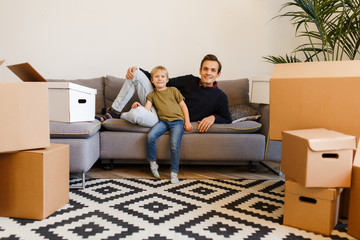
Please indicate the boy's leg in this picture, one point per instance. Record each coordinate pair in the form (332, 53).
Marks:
(176, 133)
(155, 132)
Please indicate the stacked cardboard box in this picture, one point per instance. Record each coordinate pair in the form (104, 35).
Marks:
(34, 174)
(317, 164)
(319, 95)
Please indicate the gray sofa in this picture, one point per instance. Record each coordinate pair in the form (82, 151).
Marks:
(118, 141)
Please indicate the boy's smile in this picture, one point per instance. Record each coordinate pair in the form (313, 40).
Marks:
(160, 79)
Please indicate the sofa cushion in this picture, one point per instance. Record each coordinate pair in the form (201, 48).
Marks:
(96, 83)
(74, 130)
(243, 112)
(112, 89)
(237, 90)
(238, 127)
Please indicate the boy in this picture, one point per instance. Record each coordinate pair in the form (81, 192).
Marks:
(173, 115)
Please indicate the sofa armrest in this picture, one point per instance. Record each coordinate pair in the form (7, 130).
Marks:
(264, 109)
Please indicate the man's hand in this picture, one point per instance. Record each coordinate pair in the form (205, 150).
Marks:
(129, 74)
(206, 123)
(135, 105)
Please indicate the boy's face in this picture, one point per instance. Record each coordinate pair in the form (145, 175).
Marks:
(159, 79)
(209, 73)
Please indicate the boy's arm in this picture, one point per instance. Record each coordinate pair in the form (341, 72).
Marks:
(148, 105)
(188, 127)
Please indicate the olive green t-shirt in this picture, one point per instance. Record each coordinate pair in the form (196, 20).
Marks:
(166, 103)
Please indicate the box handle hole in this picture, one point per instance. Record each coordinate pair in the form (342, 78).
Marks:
(307, 199)
(330, 155)
(82, 101)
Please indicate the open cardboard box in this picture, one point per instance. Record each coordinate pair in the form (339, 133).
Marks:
(68, 102)
(24, 116)
(315, 95)
(318, 157)
(354, 205)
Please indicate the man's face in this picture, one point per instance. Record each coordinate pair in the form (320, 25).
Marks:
(209, 73)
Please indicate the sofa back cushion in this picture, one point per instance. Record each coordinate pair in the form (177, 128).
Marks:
(236, 90)
(95, 83)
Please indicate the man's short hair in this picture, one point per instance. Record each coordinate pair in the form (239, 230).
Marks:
(211, 57)
(159, 68)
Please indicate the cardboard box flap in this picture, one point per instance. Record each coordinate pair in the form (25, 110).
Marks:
(329, 194)
(73, 86)
(26, 72)
(332, 144)
(322, 69)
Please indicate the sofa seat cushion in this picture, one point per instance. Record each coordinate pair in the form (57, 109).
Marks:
(121, 125)
(74, 130)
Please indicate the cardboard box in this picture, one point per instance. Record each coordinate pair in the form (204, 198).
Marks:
(315, 95)
(354, 205)
(317, 157)
(311, 209)
(24, 116)
(70, 102)
(34, 184)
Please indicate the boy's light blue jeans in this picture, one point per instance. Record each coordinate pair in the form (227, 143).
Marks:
(176, 132)
(138, 115)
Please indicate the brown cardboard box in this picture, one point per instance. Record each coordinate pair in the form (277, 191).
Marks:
(24, 117)
(354, 205)
(315, 95)
(317, 157)
(35, 183)
(311, 209)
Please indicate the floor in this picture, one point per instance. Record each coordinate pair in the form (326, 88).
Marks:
(186, 171)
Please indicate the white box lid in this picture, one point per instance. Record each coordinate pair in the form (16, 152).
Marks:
(73, 86)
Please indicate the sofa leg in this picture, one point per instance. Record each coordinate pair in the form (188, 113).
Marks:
(251, 167)
(108, 166)
(82, 186)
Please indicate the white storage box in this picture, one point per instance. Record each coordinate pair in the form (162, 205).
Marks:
(70, 102)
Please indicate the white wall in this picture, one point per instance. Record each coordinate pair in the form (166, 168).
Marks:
(73, 39)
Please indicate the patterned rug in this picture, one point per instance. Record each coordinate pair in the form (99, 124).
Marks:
(156, 209)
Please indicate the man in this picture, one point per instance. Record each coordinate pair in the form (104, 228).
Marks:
(207, 104)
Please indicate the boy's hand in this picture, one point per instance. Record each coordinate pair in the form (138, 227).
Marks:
(135, 105)
(188, 127)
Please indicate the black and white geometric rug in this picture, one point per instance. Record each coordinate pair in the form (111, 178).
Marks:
(156, 209)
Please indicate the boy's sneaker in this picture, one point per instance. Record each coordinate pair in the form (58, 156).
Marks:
(174, 178)
(154, 169)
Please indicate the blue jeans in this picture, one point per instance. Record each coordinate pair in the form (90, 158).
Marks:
(176, 132)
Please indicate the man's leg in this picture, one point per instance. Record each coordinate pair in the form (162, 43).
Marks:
(142, 85)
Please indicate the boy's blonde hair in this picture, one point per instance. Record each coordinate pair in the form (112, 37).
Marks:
(159, 68)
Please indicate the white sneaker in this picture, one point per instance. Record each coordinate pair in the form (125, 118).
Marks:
(154, 169)
(174, 178)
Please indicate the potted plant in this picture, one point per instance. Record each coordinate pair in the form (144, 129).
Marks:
(331, 29)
